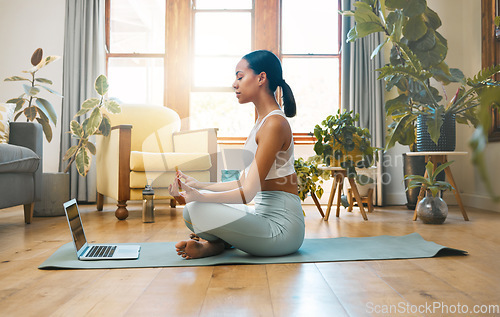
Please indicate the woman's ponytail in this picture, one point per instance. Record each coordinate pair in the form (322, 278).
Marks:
(289, 105)
(266, 61)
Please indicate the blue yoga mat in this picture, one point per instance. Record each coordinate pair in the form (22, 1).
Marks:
(162, 254)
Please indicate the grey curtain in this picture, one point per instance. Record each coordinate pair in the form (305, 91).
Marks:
(360, 89)
(84, 61)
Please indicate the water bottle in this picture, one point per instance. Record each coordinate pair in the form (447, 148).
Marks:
(148, 207)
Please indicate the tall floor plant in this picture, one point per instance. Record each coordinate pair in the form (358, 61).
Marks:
(418, 71)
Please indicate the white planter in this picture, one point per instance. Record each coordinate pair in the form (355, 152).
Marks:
(369, 172)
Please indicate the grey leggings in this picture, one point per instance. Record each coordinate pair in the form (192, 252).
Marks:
(274, 227)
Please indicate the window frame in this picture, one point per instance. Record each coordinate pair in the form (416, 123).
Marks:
(109, 55)
(179, 53)
(491, 54)
(308, 137)
(194, 10)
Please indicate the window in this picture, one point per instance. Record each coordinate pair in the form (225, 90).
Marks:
(184, 57)
(135, 39)
(311, 59)
(222, 34)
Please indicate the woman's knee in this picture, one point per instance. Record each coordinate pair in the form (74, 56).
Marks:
(187, 217)
(185, 213)
(194, 212)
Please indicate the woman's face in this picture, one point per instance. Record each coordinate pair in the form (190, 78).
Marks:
(246, 83)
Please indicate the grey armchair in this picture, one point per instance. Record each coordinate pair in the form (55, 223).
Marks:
(21, 167)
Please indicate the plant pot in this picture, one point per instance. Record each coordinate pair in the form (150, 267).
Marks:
(446, 140)
(363, 189)
(412, 165)
(55, 192)
(432, 210)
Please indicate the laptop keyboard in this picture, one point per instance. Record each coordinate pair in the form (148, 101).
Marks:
(101, 251)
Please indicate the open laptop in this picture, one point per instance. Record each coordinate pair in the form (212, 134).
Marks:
(89, 252)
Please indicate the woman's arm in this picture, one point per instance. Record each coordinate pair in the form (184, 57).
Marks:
(216, 187)
(239, 195)
(271, 138)
(222, 186)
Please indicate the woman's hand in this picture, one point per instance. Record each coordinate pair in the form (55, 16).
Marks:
(189, 194)
(174, 191)
(188, 180)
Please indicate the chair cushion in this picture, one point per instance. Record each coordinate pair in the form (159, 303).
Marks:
(162, 179)
(6, 115)
(17, 159)
(146, 161)
(152, 126)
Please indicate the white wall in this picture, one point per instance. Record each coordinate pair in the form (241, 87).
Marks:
(27, 25)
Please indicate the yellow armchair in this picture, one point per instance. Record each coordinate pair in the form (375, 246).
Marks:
(145, 144)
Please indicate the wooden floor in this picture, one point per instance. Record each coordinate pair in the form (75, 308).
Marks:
(414, 287)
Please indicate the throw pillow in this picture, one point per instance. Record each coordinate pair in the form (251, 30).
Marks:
(6, 115)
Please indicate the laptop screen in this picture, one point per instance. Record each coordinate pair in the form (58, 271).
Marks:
(76, 225)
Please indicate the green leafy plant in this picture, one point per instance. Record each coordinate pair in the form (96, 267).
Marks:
(418, 55)
(417, 64)
(341, 143)
(310, 177)
(97, 123)
(30, 103)
(430, 182)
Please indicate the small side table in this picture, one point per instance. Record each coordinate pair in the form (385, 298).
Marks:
(368, 200)
(435, 158)
(338, 174)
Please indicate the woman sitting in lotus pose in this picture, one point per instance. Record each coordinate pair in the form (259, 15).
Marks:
(218, 215)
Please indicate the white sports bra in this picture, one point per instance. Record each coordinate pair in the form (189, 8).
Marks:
(284, 163)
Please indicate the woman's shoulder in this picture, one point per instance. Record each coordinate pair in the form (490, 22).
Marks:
(277, 127)
(275, 123)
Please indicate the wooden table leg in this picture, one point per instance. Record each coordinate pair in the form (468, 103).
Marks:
(330, 200)
(340, 181)
(447, 171)
(357, 197)
(370, 200)
(318, 205)
(350, 200)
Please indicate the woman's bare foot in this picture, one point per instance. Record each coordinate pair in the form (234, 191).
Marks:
(192, 249)
(194, 236)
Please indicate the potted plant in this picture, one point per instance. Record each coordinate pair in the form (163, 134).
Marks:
(418, 55)
(310, 178)
(432, 209)
(417, 65)
(30, 103)
(96, 123)
(340, 143)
